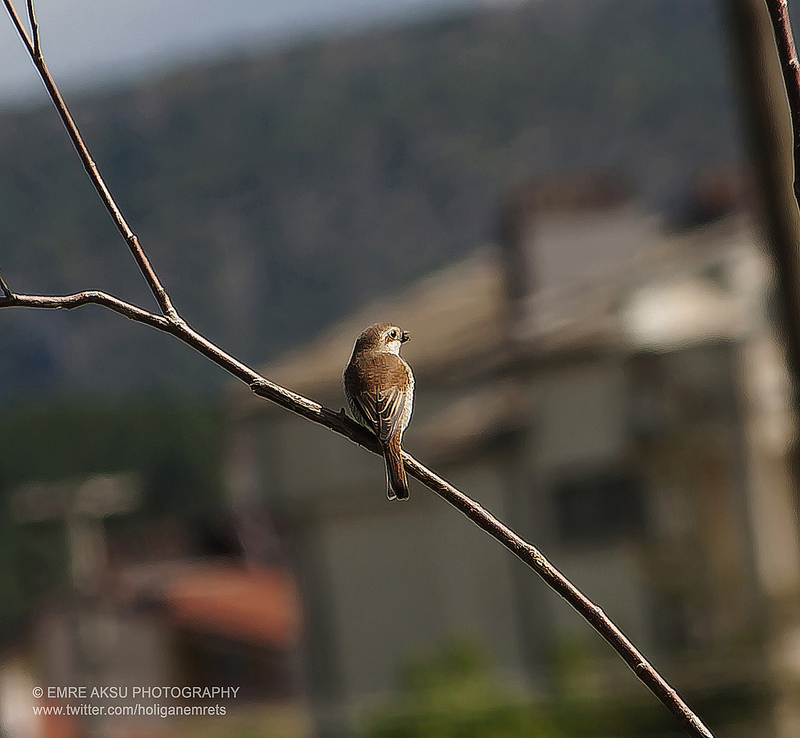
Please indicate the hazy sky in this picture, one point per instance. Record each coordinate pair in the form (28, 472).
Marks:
(92, 42)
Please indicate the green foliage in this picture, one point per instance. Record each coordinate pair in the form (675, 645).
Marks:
(582, 667)
(455, 694)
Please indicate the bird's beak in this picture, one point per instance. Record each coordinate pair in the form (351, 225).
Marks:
(406, 336)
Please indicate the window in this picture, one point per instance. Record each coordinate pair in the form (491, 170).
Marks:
(599, 506)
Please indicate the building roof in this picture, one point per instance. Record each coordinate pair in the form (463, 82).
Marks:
(458, 316)
(254, 605)
(451, 314)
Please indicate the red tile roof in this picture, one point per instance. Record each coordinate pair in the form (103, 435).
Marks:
(254, 605)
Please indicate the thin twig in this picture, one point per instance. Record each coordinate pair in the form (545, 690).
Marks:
(88, 297)
(335, 421)
(92, 171)
(787, 53)
(3, 286)
(781, 217)
(37, 46)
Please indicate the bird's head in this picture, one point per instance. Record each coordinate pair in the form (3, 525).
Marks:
(382, 337)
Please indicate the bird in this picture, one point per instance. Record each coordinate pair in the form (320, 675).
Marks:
(379, 387)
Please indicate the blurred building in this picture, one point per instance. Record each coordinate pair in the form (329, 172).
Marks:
(608, 383)
(145, 612)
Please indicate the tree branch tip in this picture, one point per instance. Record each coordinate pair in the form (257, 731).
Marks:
(5, 288)
(37, 48)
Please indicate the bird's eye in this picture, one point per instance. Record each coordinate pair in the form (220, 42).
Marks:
(393, 333)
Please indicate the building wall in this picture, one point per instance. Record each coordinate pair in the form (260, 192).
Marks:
(632, 472)
(393, 581)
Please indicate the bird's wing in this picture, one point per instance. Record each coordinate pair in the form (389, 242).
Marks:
(391, 404)
(383, 407)
(384, 411)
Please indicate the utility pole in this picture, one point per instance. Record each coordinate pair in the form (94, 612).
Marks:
(82, 506)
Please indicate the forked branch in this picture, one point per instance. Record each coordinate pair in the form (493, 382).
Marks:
(35, 51)
(338, 422)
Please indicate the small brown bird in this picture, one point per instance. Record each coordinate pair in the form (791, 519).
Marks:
(379, 387)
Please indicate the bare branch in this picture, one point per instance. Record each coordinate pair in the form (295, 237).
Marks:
(781, 217)
(338, 422)
(67, 302)
(787, 53)
(37, 47)
(4, 287)
(343, 425)
(21, 30)
(89, 165)
(529, 554)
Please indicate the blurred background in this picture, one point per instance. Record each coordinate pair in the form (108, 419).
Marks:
(572, 206)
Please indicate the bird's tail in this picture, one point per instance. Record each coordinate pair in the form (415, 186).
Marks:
(396, 482)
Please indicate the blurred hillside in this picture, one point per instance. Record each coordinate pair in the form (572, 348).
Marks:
(275, 192)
